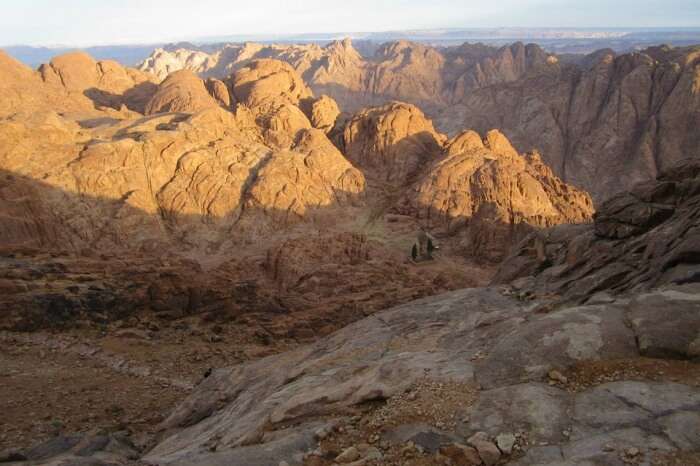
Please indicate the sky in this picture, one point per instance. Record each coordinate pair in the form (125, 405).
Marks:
(100, 22)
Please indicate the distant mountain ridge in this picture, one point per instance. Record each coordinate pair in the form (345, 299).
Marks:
(559, 40)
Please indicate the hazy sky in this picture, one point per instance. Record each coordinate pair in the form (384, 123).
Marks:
(86, 22)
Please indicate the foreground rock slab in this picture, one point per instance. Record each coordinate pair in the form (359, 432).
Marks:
(456, 337)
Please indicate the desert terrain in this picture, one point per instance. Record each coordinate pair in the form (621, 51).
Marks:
(279, 254)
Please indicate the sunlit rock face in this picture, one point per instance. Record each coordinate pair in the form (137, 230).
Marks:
(215, 159)
(393, 142)
(493, 194)
(602, 122)
(183, 91)
(253, 178)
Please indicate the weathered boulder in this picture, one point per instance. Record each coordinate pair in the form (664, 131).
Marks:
(184, 92)
(265, 81)
(324, 113)
(106, 83)
(392, 143)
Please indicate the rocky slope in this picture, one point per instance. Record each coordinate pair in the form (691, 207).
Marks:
(647, 237)
(493, 193)
(481, 376)
(602, 122)
(240, 179)
(199, 175)
(263, 224)
(319, 409)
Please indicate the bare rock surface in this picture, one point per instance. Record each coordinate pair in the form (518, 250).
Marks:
(439, 338)
(106, 83)
(392, 142)
(246, 214)
(602, 123)
(182, 91)
(620, 251)
(324, 113)
(494, 193)
(268, 80)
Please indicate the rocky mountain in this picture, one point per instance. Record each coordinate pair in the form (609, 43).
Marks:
(603, 121)
(238, 175)
(644, 238)
(507, 374)
(233, 253)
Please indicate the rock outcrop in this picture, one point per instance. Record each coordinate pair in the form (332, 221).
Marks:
(602, 127)
(324, 113)
(602, 123)
(494, 193)
(231, 416)
(647, 237)
(265, 81)
(273, 92)
(184, 92)
(393, 142)
(106, 83)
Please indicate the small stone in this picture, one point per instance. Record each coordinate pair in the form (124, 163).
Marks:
(373, 454)
(348, 455)
(505, 443)
(632, 451)
(408, 450)
(13, 454)
(321, 433)
(461, 454)
(557, 376)
(488, 452)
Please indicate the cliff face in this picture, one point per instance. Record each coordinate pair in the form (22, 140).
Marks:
(239, 174)
(406, 71)
(647, 237)
(604, 127)
(603, 122)
(244, 210)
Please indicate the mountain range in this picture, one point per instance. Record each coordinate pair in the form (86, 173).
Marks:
(602, 121)
(320, 254)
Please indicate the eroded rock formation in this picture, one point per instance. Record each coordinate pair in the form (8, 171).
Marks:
(602, 122)
(247, 213)
(392, 142)
(647, 237)
(183, 91)
(494, 193)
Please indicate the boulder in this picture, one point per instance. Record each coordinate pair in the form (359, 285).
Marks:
(392, 143)
(183, 92)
